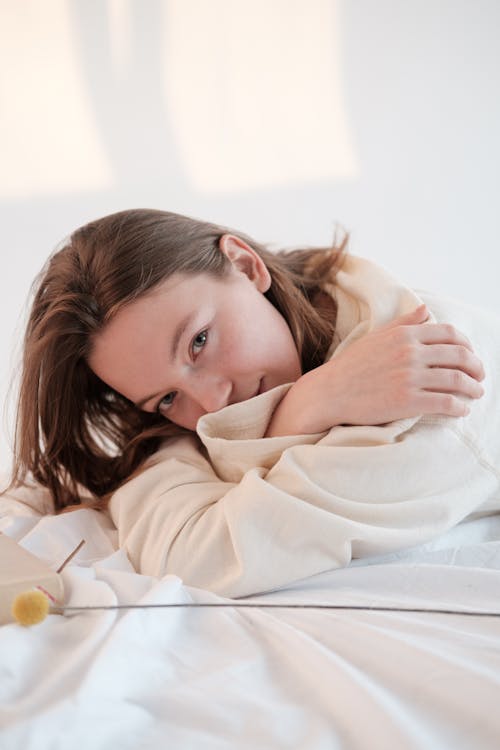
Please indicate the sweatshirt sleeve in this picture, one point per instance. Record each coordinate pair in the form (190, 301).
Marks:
(358, 492)
(234, 436)
(25, 500)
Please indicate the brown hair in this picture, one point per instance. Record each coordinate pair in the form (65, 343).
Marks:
(77, 436)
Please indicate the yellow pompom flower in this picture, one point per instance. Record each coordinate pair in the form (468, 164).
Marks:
(30, 607)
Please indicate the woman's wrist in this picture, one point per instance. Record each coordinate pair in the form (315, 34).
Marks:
(300, 412)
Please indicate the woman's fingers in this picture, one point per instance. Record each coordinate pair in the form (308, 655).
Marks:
(444, 345)
(442, 380)
(445, 404)
(415, 317)
(451, 372)
(455, 357)
(442, 333)
(432, 333)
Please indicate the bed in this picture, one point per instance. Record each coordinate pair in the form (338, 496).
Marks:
(260, 677)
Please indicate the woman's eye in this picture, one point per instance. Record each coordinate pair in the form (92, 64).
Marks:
(166, 402)
(199, 341)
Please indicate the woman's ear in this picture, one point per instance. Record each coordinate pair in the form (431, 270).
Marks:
(246, 260)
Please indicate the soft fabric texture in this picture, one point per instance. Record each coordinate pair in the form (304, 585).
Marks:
(247, 514)
(258, 679)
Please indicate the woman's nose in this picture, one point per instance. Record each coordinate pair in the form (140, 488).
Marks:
(212, 394)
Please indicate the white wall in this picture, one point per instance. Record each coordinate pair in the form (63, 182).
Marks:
(279, 117)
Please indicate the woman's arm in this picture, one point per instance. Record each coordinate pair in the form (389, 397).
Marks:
(318, 506)
(403, 369)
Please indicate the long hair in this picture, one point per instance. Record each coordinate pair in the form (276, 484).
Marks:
(74, 434)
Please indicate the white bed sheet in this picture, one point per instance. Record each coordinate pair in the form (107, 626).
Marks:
(231, 678)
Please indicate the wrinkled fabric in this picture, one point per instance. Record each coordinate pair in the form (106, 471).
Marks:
(273, 679)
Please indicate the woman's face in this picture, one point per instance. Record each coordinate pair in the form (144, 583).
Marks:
(197, 343)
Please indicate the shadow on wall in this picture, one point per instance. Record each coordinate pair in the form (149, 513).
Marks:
(219, 96)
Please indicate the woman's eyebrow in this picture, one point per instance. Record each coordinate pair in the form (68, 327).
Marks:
(179, 332)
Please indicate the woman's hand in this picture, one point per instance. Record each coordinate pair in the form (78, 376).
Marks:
(403, 369)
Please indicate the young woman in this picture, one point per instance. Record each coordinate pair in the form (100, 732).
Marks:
(251, 418)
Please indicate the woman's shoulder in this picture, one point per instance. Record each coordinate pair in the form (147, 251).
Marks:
(185, 447)
(367, 296)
